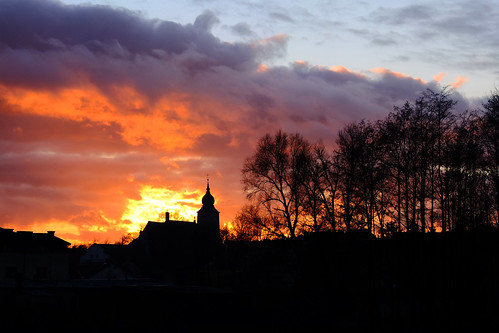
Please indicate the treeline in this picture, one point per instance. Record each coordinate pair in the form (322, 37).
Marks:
(424, 168)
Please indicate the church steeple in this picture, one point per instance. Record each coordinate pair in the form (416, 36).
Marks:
(208, 217)
(208, 199)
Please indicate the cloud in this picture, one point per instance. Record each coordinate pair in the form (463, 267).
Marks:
(206, 21)
(466, 35)
(271, 47)
(101, 108)
(281, 17)
(403, 15)
(438, 78)
(384, 41)
(460, 80)
(242, 29)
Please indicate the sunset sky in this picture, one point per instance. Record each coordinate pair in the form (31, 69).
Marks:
(113, 112)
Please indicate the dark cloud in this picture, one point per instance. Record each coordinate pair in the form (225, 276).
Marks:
(206, 21)
(360, 32)
(454, 21)
(384, 41)
(102, 32)
(404, 15)
(242, 29)
(465, 28)
(281, 17)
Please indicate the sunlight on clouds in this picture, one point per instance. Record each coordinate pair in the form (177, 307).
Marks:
(344, 70)
(439, 77)
(62, 227)
(340, 69)
(169, 163)
(155, 202)
(460, 80)
(74, 104)
(386, 71)
(271, 47)
(167, 123)
(262, 68)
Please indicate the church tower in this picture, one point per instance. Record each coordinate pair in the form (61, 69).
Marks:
(208, 218)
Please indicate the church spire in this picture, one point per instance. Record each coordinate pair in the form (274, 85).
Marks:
(208, 199)
(208, 218)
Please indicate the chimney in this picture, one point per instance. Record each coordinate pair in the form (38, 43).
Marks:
(51, 233)
(167, 216)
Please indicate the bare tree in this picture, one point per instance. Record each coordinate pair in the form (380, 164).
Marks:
(398, 162)
(272, 177)
(360, 179)
(328, 182)
(250, 225)
(490, 138)
(315, 189)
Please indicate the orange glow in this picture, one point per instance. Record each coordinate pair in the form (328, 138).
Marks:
(386, 71)
(97, 228)
(438, 78)
(262, 68)
(155, 202)
(167, 123)
(340, 69)
(168, 126)
(301, 63)
(281, 38)
(61, 228)
(344, 70)
(460, 80)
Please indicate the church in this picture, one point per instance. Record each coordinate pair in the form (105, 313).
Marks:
(174, 248)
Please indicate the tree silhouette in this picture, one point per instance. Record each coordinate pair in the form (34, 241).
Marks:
(250, 224)
(490, 137)
(421, 169)
(273, 179)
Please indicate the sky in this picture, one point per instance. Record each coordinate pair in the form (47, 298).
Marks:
(113, 112)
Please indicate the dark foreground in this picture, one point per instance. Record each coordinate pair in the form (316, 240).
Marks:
(167, 309)
(428, 283)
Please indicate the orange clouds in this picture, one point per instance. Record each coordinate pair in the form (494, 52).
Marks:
(113, 191)
(109, 198)
(154, 202)
(167, 123)
(386, 71)
(460, 80)
(438, 78)
(340, 69)
(271, 47)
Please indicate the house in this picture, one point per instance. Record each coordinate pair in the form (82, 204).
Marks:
(29, 256)
(108, 262)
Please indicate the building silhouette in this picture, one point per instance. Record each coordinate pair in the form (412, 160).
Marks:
(170, 250)
(179, 250)
(108, 262)
(29, 256)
